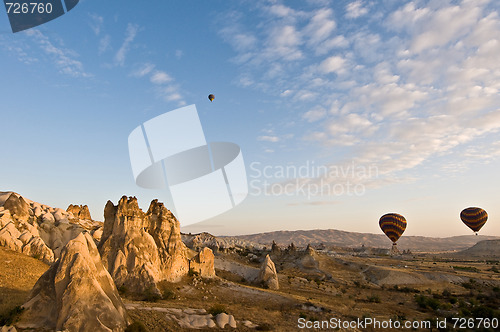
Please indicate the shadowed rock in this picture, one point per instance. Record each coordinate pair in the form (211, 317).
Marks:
(267, 275)
(75, 294)
(17, 207)
(140, 249)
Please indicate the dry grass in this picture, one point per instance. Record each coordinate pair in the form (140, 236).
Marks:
(344, 293)
(18, 274)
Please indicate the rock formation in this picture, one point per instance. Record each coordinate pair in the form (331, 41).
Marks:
(17, 207)
(275, 249)
(75, 294)
(79, 211)
(198, 241)
(140, 249)
(308, 260)
(267, 275)
(38, 230)
(203, 263)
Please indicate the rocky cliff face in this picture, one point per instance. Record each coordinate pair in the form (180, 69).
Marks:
(39, 230)
(79, 211)
(75, 294)
(140, 249)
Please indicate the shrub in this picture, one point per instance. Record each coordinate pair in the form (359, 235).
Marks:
(483, 312)
(136, 327)
(11, 317)
(407, 289)
(471, 284)
(168, 295)
(193, 273)
(494, 269)
(373, 299)
(427, 302)
(217, 309)
(264, 327)
(122, 290)
(466, 268)
(150, 295)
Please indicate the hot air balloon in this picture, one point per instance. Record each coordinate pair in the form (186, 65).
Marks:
(393, 225)
(474, 218)
(211, 97)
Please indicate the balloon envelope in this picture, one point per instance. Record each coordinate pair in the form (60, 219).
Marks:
(393, 225)
(474, 218)
(211, 97)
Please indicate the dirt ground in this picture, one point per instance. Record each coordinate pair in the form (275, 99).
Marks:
(313, 290)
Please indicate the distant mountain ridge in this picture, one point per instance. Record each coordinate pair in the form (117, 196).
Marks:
(333, 237)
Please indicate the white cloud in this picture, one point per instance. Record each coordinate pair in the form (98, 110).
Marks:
(320, 27)
(96, 23)
(451, 22)
(355, 9)
(272, 139)
(160, 77)
(64, 59)
(314, 115)
(170, 93)
(130, 35)
(281, 10)
(329, 44)
(283, 42)
(333, 64)
(164, 85)
(408, 16)
(104, 44)
(241, 41)
(143, 70)
(409, 86)
(351, 123)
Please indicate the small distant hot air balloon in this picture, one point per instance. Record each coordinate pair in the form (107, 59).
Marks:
(211, 97)
(393, 225)
(474, 218)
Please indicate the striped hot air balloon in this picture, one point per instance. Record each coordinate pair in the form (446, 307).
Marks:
(474, 218)
(393, 225)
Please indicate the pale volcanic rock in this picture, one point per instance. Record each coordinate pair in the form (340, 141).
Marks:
(203, 263)
(267, 275)
(17, 206)
(35, 247)
(48, 217)
(8, 329)
(75, 294)
(5, 217)
(79, 211)
(9, 237)
(140, 249)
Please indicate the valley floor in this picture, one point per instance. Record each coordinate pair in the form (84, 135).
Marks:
(313, 288)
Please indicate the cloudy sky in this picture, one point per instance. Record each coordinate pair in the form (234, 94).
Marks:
(344, 110)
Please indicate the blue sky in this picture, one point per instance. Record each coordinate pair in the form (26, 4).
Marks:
(398, 101)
